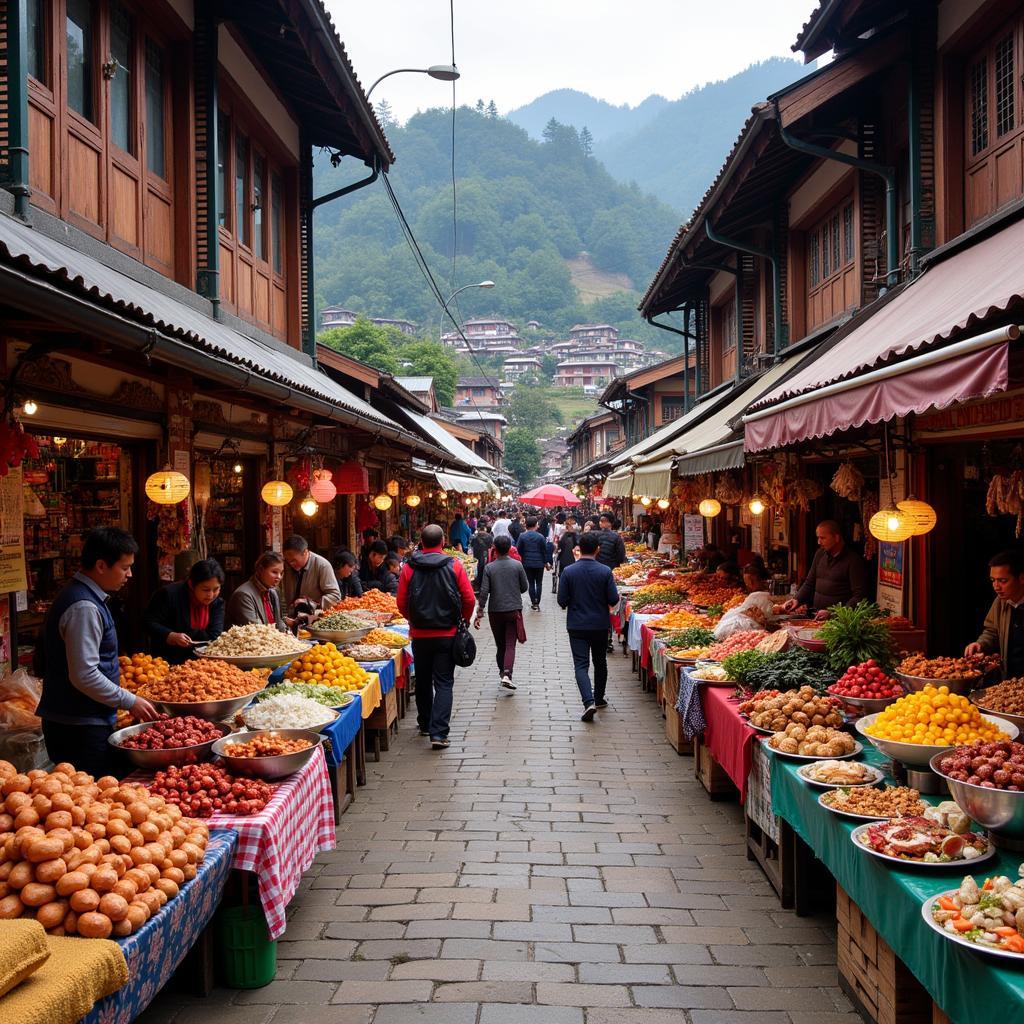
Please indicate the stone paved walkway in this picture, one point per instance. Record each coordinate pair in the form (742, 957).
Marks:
(540, 871)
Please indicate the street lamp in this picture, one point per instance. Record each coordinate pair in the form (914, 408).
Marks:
(442, 72)
(479, 284)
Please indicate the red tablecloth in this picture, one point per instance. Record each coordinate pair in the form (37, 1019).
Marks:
(280, 842)
(646, 636)
(620, 619)
(728, 738)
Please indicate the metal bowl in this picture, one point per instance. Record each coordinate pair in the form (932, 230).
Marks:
(916, 683)
(215, 710)
(865, 705)
(153, 760)
(919, 754)
(257, 661)
(977, 698)
(268, 767)
(339, 636)
(808, 639)
(1001, 811)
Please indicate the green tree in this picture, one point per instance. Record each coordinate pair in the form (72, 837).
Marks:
(363, 341)
(386, 115)
(586, 141)
(522, 455)
(531, 408)
(429, 359)
(492, 110)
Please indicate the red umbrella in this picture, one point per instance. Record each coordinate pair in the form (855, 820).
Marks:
(548, 496)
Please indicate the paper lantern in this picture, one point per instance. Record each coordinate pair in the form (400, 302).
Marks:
(890, 524)
(413, 500)
(663, 503)
(277, 493)
(442, 495)
(308, 506)
(322, 488)
(383, 502)
(352, 478)
(709, 508)
(167, 487)
(920, 514)
(645, 501)
(756, 505)
(392, 488)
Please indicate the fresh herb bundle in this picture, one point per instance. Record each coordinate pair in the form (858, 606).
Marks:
(853, 635)
(739, 666)
(792, 669)
(692, 636)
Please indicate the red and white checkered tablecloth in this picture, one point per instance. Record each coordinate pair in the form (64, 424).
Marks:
(280, 842)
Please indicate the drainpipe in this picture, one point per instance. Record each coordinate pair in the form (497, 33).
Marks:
(914, 159)
(309, 342)
(208, 275)
(885, 171)
(686, 336)
(771, 255)
(17, 106)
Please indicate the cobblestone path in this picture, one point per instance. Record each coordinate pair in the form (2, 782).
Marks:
(539, 871)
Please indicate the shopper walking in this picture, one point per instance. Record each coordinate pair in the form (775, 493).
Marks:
(611, 552)
(587, 591)
(515, 527)
(536, 553)
(500, 526)
(565, 549)
(504, 583)
(480, 544)
(435, 595)
(459, 533)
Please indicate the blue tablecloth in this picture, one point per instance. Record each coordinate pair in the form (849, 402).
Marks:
(159, 946)
(343, 730)
(384, 669)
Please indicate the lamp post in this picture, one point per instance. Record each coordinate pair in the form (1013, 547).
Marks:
(442, 72)
(440, 326)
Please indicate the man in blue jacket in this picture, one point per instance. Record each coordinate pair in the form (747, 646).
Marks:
(587, 590)
(535, 553)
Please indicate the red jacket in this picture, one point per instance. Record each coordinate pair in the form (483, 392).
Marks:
(512, 553)
(465, 592)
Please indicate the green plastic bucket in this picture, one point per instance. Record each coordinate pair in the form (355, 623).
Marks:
(248, 956)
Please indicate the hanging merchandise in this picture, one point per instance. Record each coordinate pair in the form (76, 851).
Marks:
(277, 493)
(645, 501)
(167, 487)
(868, 507)
(728, 491)
(202, 493)
(663, 503)
(366, 517)
(848, 482)
(172, 527)
(1006, 495)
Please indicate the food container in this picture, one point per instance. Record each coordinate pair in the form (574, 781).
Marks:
(339, 635)
(153, 760)
(920, 754)
(214, 710)
(1001, 811)
(915, 683)
(977, 698)
(256, 661)
(276, 767)
(865, 705)
(809, 640)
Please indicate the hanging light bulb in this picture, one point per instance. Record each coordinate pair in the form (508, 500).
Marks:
(309, 506)
(392, 488)
(59, 442)
(921, 515)
(237, 469)
(383, 502)
(890, 524)
(663, 503)
(645, 501)
(756, 505)
(30, 408)
(412, 500)
(442, 495)
(709, 508)
(277, 493)
(167, 487)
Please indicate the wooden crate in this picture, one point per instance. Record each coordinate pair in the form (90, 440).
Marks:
(710, 773)
(674, 731)
(876, 980)
(379, 724)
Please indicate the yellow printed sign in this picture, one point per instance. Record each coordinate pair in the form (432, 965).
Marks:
(12, 533)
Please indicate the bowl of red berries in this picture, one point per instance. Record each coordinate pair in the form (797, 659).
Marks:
(866, 688)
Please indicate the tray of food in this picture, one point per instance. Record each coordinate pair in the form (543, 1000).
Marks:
(982, 918)
(287, 711)
(830, 774)
(794, 707)
(184, 739)
(799, 743)
(1004, 700)
(341, 627)
(919, 841)
(254, 646)
(208, 689)
(368, 652)
(961, 675)
(386, 637)
(268, 754)
(868, 804)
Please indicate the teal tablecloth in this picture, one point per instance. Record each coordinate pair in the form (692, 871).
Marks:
(971, 988)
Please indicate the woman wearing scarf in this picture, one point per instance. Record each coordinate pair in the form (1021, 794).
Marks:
(257, 600)
(183, 614)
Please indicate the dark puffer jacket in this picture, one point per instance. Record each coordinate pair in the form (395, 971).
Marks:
(612, 551)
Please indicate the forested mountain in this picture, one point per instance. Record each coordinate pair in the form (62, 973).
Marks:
(524, 208)
(581, 109)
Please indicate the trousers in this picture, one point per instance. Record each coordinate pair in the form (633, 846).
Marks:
(590, 645)
(505, 627)
(435, 681)
(84, 746)
(535, 578)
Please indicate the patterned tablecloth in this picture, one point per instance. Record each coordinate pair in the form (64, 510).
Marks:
(343, 730)
(280, 842)
(159, 946)
(636, 620)
(690, 706)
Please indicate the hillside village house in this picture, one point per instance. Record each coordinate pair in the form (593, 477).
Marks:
(588, 333)
(479, 392)
(489, 421)
(490, 335)
(338, 316)
(522, 366)
(592, 442)
(585, 372)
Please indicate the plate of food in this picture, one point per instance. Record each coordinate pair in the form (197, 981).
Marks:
(979, 917)
(921, 842)
(832, 774)
(867, 804)
(819, 741)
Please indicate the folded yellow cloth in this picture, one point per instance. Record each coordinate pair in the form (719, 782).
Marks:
(23, 950)
(63, 990)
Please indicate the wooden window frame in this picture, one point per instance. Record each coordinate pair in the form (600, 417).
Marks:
(830, 229)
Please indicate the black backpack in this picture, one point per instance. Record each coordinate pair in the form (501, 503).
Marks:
(434, 599)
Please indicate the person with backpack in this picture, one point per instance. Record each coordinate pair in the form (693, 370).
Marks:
(536, 554)
(435, 595)
(504, 583)
(565, 549)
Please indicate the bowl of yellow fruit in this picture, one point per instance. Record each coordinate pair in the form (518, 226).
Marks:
(325, 665)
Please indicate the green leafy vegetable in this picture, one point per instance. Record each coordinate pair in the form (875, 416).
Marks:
(854, 635)
(692, 636)
(739, 666)
(329, 696)
(792, 669)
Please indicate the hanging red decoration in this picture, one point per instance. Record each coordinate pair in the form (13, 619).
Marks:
(322, 488)
(352, 478)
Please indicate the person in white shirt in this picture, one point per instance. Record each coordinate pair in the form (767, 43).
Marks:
(500, 526)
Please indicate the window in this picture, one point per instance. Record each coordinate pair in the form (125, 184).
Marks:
(155, 127)
(79, 21)
(671, 407)
(277, 223)
(831, 257)
(121, 82)
(36, 31)
(242, 223)
(979, 106)
(259, 191)
(728, 324)
(1005, 87)
(223, 156)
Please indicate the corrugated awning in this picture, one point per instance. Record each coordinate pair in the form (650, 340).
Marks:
(451, 444)
(728, 455)
(462, 484)
(653, 479)
(950, 298)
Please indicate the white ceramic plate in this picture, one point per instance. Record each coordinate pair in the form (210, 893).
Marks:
(849, 814)
(960, 862)
(875, 776)
(857, 748)
(926, 913)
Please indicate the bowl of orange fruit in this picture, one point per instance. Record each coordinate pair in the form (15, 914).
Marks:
(324, 665)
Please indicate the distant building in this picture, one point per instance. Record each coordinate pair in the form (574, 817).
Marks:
(483, 334)
(577, 372)
(405, 326)
(480, 392)
(338, 316)
(422, 388)
(492, 423)
(593, 332)
(516, 367)
(534, 325)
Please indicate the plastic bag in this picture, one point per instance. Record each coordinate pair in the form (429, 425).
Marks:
(19, 696)
(755, 613)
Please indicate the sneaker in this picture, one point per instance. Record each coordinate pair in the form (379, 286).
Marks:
(423, 732)
(600, 703)
(588, 714)
(506, 681)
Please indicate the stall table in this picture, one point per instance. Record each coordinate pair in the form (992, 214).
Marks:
(726, 746)
(379, 724)
(970, 988)
(343, 734)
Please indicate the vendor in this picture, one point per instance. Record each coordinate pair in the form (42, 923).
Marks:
(182, 614)
(81, 676)
(837, 575)
(1003, 630)
(308, 578)
(348, 577)
(376, 575)
(257, 600)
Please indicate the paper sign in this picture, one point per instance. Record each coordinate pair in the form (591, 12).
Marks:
(12, 533)
(693, 532)
(891, 577)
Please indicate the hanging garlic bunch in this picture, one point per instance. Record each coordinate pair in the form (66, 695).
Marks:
(848, 482)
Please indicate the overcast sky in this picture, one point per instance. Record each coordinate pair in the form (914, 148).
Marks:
(512, 51)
